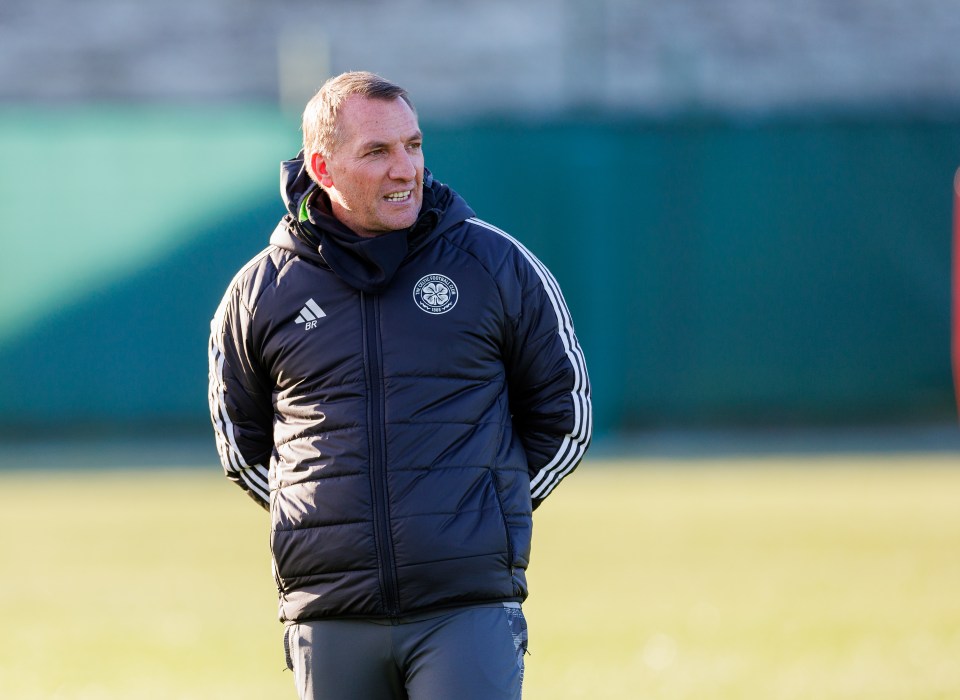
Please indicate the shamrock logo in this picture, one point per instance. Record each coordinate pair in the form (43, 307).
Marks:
(435, 294)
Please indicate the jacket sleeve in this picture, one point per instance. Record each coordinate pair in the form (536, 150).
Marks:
(548, 383)
(240, 405)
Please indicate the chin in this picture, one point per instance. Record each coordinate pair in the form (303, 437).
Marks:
(405, 222)
(400, 219)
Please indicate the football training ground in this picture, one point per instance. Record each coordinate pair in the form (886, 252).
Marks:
(815, 577)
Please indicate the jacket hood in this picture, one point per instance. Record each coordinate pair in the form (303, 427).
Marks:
(367, 264)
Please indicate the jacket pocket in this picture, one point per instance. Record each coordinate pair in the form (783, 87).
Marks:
(503, 518)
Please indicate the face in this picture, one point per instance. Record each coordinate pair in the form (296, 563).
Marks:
(374, 177)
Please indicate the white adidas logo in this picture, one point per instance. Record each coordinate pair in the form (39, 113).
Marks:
(309, 314)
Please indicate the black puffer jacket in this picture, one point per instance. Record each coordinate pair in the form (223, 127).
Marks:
(399, 409)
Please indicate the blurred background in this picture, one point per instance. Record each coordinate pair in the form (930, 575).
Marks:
(748, 207)
(747, 204)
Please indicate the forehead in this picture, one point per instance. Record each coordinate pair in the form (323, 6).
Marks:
(364, 119)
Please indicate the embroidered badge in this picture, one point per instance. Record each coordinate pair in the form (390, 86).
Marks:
(435, 294)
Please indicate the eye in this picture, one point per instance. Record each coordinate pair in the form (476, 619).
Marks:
(415, 147)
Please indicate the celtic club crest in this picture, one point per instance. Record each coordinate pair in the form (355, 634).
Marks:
(435, 294)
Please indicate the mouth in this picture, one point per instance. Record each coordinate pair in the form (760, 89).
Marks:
(399, 196)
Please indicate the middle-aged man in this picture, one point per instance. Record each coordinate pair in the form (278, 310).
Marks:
(398, 382)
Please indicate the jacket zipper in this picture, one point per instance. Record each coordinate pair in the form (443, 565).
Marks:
(378, 464)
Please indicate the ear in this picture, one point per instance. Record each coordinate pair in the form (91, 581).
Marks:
(318, 165)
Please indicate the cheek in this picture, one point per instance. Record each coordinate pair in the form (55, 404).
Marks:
(354, 188)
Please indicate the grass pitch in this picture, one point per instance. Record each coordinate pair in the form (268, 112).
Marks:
(825, 578)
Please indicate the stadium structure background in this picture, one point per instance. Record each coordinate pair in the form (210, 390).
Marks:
(747, 205)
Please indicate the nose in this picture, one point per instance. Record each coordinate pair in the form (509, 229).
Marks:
(402, 166)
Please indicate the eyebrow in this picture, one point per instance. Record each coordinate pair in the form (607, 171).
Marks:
(370, 145)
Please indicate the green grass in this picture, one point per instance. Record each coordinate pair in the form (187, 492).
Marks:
(750, 579)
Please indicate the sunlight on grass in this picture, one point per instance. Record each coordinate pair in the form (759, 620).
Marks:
(750, 579)
(136, 585)
(822, 578)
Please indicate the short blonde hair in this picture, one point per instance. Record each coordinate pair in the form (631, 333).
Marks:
(320, 128)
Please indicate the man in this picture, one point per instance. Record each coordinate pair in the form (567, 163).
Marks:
(399, 384)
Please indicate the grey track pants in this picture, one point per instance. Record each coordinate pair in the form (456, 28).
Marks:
(472, 653)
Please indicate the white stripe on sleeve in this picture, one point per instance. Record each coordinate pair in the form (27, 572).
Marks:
(254, 476)
(574, 443)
